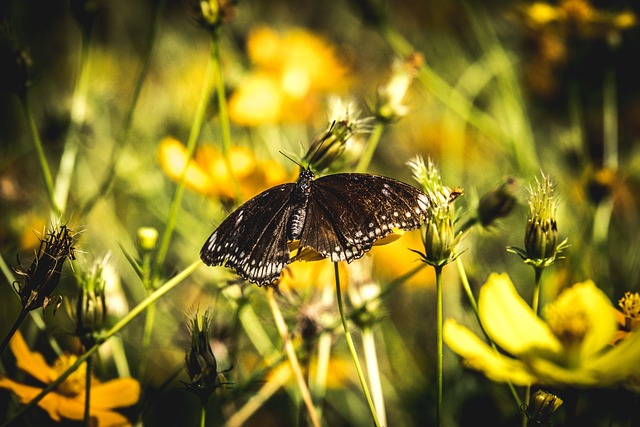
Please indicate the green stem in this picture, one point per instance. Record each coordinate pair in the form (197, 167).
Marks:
(87, 393)
(610, 121)
(319, 383)
(194, 133)
(352, 348)
(223, 111)
(293, 357)
(467, 288)
(439, 347)
(373, 371)
(78, 116)
(104, 187)
(166, 287)
(203, 412)
(535, 305)
(372, 144)
(42, 159)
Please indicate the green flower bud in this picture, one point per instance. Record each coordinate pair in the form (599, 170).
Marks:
(541, 246)
(147, 238)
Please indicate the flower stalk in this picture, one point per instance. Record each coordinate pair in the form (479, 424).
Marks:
(352, 349)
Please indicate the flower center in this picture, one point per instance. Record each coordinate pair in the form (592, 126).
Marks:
(568, 320)
(630, 305)
(75, 383)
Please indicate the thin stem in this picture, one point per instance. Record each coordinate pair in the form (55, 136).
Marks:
(535, 305)
(319, 382)
(373, 371)
(439, 347)
(277, 379)
(194, 133)
(203, 412)
(467, 288)
(42, 159)
(610, 121)
(352, 348)
(142, 306)
(78, 116)
(293, 357)
(14, 328)
(87, 393)
(372, 144)
(104, 187)
(223, 111)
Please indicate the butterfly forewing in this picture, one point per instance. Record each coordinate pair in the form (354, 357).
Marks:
(347, 213)
(252, 240)
(338, 216)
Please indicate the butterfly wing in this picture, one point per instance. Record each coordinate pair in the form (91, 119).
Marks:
(348, 212)
(252, 240)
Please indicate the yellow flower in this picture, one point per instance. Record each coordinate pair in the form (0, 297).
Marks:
(290, 71)
(570, 349)
(67, 401)
(207, 172)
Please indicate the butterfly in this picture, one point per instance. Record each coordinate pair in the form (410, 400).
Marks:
(338, 216)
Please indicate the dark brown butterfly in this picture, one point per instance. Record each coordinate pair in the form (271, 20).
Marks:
(338, 216)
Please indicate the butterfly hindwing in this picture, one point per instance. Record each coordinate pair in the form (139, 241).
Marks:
(252, 240)
(347, 213)
(338, 216)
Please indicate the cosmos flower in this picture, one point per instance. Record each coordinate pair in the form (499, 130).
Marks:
(291, 73)
(207, 172)
(570, 347)
(67, 400)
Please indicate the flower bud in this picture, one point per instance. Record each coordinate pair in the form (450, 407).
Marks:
(389, 104)
(212, 13)
(42, 277)
(91, 307)
(497, 203)
(327, 147)
(147, 238)
(541, 232)
(438, 234)
(542, 405)
(200, 362)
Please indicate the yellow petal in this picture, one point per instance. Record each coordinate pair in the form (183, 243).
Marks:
(72, 408)
(510, 322)
(116, 393)
(620, 363)
(172, 156)
(30, 362)
(479, 356)
(601, 318)
(257, 101)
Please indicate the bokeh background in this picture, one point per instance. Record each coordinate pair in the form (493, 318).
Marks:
(507, 90)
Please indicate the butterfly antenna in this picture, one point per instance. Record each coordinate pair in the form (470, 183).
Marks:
(290, 158)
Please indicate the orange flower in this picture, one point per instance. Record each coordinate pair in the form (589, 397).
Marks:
(207, 172)
(290, 72)
(67, 401)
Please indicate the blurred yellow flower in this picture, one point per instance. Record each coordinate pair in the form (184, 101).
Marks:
(572, 348)
(207, 172)
(67, 400)
(392, 261)
(290, 72)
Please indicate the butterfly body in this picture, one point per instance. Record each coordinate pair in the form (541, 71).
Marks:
(338, 216)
